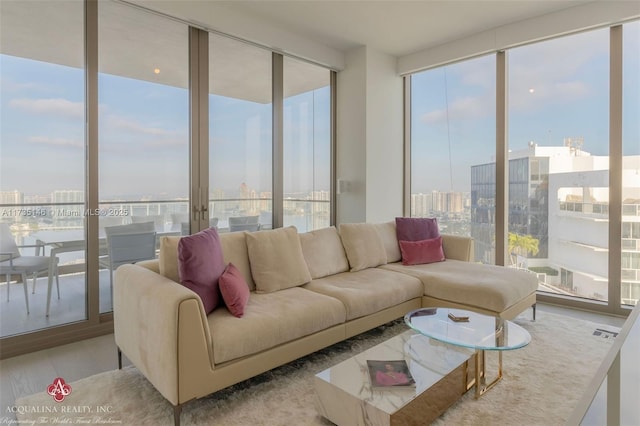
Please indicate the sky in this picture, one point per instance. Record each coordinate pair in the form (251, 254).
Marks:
(144, 133)
(557, 89)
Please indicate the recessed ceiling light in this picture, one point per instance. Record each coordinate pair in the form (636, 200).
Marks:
(530, 90)
(156, 70)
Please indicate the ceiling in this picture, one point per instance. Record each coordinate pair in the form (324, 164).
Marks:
(395, 27)
(133, 43)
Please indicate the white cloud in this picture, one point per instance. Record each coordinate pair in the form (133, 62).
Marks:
(58, 142)
(168, 142)
(13, 86)
(547, 93)
(462, 109)
(123, 123)
(56, 107)
(556, 70)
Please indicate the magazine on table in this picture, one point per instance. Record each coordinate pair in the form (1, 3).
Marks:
(390, 374)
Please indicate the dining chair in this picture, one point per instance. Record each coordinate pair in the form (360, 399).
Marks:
(244, 223)
(12, 262)
(158, 220)
(266, 219)
(180, 222)
(213, 222)
(128, 244)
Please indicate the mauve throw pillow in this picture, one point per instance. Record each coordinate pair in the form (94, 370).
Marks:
(416, 228)
(420, 252)
(200, 264)
(234, 289)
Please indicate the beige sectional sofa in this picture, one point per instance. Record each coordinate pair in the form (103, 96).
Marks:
(357, 283)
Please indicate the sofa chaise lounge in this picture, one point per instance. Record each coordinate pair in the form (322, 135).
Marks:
(356, 283)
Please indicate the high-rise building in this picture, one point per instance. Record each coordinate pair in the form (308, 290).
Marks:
(67, 207)
(13, 201)
(560, 197)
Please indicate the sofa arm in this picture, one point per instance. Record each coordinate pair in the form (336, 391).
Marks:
(457, 248)
(149, 312)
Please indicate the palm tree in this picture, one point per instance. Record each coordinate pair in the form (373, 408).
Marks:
(521, 245)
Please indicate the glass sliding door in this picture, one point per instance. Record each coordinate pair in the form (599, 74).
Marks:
(307, 145)
(240, 141)
(143, 126)
(630, 274)
(42, 162)
(559, 161)
(453, 150)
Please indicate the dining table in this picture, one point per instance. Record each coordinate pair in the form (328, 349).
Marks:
(73, 240)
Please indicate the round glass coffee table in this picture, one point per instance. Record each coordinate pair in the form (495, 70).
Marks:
(470, 330)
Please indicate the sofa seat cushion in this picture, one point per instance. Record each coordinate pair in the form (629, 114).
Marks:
(272, 319)
(368, 291)
(491, 287)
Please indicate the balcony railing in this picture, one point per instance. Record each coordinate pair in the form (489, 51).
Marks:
(598, 208)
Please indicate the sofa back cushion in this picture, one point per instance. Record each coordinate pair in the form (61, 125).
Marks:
(234, 290)
(276, 259)
(234, 249)
(416, 228)
(387, 232)
(200, 265)
(168, 258)
(323, 252)
(421, 252)
(363, 245)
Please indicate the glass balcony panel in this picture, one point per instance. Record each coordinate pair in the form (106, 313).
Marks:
(553, 86)
(240, 136)
(307, 145)
(42, 106)
(144, 126)
(453, 150)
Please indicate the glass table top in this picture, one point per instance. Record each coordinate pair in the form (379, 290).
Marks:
(481, 332)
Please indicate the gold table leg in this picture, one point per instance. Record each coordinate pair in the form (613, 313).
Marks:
(481, 379)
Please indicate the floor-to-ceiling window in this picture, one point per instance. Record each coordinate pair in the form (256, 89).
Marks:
(564, 114)
(307, 145)
(558, 162)
(240, 137)
(453, 149)
(42, 159)
(84, 149)
(143, 125)
(630, 274)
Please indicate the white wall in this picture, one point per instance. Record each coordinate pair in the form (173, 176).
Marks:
(384, 138)
(369, 133)
(351, 132)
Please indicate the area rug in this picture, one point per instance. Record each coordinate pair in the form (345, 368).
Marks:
(542, 383)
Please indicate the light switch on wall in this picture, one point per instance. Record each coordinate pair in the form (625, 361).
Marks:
(343, 186)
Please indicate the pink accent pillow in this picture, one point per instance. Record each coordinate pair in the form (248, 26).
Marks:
(416, 228)
(420, 252)
(235, 290)
(200, 265)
